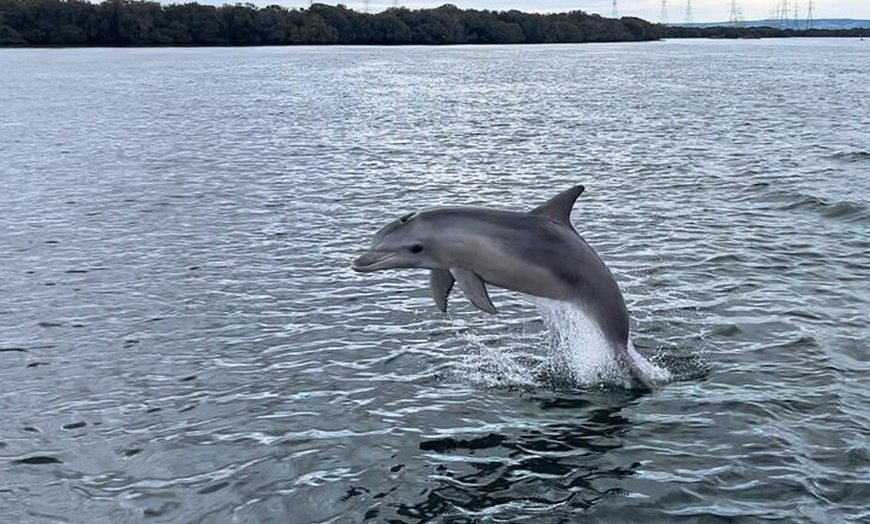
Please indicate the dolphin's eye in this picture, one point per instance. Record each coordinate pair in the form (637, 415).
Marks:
(416, 248)
(407, 218)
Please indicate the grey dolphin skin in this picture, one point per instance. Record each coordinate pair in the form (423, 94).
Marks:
(538, 253)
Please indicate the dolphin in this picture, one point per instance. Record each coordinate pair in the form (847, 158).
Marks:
(537, 253)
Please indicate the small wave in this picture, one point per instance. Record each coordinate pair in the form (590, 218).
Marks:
(850, 211)
(38, 460)
(851, 156)
(804, 203)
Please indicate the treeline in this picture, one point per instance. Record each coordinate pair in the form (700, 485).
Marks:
(756, 32)
(143, 23)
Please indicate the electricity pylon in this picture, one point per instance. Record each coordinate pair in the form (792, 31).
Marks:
(735, 16)
(810, 15)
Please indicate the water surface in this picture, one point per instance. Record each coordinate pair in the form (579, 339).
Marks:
(182, 338)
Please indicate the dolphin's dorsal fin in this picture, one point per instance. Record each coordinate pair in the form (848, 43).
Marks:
(441, 281)
(559, 207)
(473, 287)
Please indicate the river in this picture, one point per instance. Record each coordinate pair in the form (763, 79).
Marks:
(182, 338)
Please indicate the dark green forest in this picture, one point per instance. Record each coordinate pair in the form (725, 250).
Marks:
(733, 31)
(142, 23)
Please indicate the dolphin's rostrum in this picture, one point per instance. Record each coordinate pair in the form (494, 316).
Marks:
(538, 253)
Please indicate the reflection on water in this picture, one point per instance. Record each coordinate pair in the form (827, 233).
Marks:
(523, 471)
(181, 337)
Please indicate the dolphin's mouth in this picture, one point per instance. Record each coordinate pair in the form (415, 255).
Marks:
(372, 261)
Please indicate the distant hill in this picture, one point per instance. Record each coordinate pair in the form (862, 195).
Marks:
(822, 23)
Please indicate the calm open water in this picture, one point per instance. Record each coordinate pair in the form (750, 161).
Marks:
(182, 338)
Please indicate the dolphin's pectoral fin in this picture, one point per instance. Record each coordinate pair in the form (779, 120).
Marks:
(442, 282)
(473, 287)
(559, 207)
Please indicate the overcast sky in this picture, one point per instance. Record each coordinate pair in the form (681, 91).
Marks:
(703, 10)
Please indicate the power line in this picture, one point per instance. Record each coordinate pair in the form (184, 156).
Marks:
(689, 16)
(614, 13)
(664, 16)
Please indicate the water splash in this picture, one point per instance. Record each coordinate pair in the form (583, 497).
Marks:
(577, 355)
(580, 354)
(509, 362)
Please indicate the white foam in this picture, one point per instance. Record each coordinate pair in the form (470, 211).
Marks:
(577, 347)
(577, 354)
(648, 368)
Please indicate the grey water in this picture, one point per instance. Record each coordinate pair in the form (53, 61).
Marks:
(182, 338)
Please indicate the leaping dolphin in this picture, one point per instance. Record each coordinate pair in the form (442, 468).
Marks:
(538, 253)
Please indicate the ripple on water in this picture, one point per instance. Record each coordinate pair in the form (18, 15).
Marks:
(182, 333)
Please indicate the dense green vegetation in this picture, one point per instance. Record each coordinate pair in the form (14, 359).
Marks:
(135, 23)
(733, 31)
